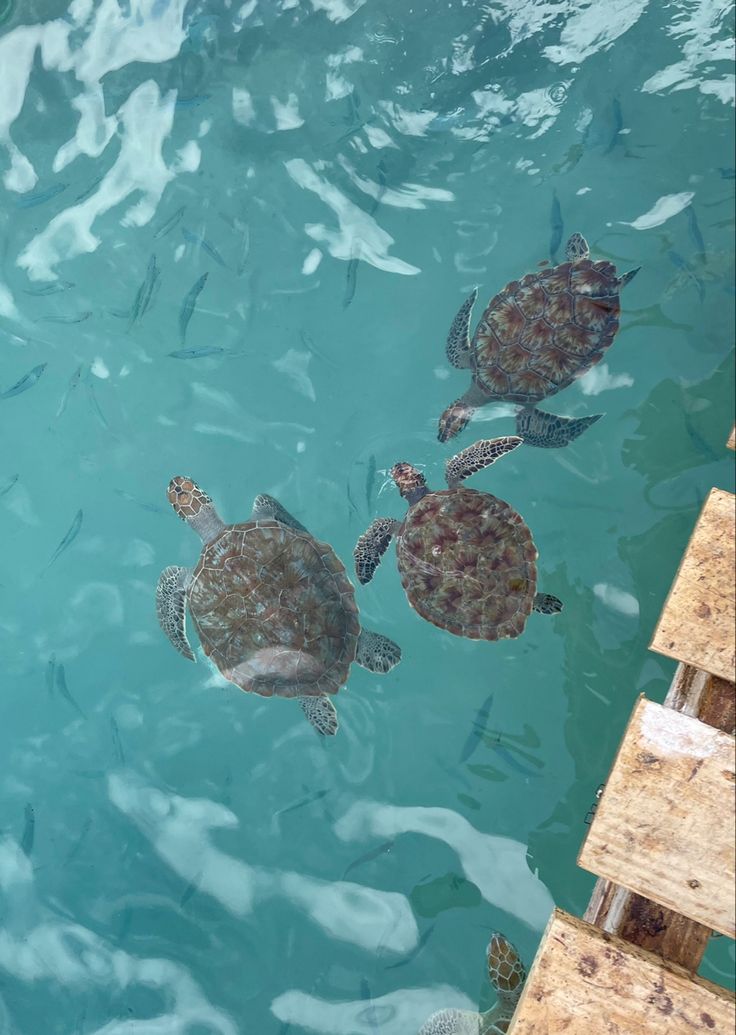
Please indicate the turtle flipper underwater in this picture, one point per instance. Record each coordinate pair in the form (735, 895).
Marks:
(535, 338)
(507, 974)
(467, 560)
(272, 605)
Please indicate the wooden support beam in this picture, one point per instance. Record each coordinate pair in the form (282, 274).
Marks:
(585, 982)
(664, 824)
(633, 917)
(698, 620)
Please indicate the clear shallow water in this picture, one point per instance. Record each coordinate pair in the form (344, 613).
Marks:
(344, 173)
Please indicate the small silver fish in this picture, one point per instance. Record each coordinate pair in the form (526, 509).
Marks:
(315, 796)
(69, 538)
(49, 289)
(512, 762)
(188, 305)
(118, 744)
(77, 318)
(29, 828)
(197, 353)
(50, 674)
(244, 250)
(555, 219)
(146, 292)
(91, 189)
(370, 481)
(479, 725)
(27, 381)
(695, 234)
(9, 485)
(372, 853)
(152, 507)
(96, 406)
(617, 124)
(74, 850)
(351, 278)
(64, 690)
(204, 244)
(170, 223)
(415, 951)
(31, 200)
(73, 383)
(190, 889)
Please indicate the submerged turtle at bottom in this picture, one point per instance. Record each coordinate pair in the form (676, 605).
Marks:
(535, 338)
(507, 974)
(466, 558)
(273, 606)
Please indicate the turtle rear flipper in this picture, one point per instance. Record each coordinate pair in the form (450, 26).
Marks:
(453, 1022)
(267, 508)
(458, 346)
(321, 713)
(171, 605)
(376, 652)
(458, 414)
(546, 604)
(548, 431)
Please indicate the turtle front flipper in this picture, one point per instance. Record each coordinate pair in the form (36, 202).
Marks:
(376, 652)
(371, 547)
(171, 605)
(474, 458)
(321, 713)
(546, 604)
(266, 508)
(626, 278)
(548, 431)
(458, 340)
(457, 415)
(452, 1022)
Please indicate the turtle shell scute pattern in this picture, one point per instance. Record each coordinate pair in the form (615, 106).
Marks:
(541, 332)
(274, 610)
(467, 562)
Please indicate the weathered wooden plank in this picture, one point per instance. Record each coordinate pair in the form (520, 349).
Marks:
(585, 982)
(633, 917)
(697, 622)
(664, 824)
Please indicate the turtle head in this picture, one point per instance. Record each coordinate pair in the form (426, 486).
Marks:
(577, 248)
(409, 482)
(195, 507)
(506, 972)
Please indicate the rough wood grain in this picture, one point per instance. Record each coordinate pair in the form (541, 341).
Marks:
(585, 982)
(664, 824)
(637, 919)
(698, 620)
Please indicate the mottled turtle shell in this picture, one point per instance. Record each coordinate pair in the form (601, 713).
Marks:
(468, 563)
(264, 596)
(541, 332)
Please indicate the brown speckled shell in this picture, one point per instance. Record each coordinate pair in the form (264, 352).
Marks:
(263, 585)
(468, 564)
(543, 331)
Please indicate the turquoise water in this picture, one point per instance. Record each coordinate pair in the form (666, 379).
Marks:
(177, 857)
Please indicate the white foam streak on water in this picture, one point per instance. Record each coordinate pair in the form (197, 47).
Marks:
(359, 235)
(397, 1013)
(496, 865)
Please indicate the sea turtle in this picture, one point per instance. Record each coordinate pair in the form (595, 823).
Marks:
(273, 606)
(507, 974)
(466, 558)
(534, 338)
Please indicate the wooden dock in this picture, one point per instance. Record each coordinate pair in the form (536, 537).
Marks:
(661, 841)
